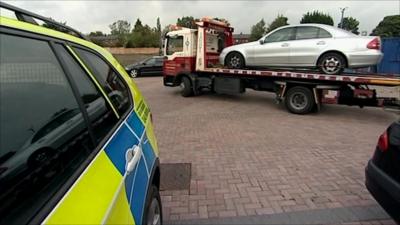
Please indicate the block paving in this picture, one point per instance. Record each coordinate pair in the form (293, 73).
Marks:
(250, 157)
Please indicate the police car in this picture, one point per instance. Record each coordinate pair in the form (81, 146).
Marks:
(76, 138)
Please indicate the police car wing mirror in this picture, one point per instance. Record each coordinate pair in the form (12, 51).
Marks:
(261, 41)
(132, 157)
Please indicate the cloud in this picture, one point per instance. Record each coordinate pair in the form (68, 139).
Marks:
(89, 16)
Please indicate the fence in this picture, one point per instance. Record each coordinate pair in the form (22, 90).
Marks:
(391, 59)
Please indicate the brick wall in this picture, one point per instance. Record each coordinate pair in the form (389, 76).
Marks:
(124, 51)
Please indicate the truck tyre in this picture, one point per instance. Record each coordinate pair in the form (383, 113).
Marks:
(331, 63)
(186, 87)
(234, 60)
(153, 211)
(299, 100)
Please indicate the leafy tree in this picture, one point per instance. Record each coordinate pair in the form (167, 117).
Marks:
(96, 34)
(187, 21)
(258, 30)
(143, 36)
(350, 24)
(138, 27)
(388, 27)
(159, 36)
(158, 25)
(317, 17)
(279, 21)
(121, 28)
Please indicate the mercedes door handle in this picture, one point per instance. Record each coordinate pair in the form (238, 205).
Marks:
(132, 157)
(285, 45)
(320, 42)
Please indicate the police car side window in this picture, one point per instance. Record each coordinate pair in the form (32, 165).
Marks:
(109, 80)
(43, 135)
(100, 114)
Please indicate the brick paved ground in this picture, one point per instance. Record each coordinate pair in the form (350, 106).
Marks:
(251, 157)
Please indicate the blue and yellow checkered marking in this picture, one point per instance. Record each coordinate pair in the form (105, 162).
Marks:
(105, 193)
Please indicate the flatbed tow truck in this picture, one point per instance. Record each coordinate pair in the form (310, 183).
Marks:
(192, 63)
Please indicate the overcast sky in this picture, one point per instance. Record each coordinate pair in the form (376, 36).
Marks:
(89, 16)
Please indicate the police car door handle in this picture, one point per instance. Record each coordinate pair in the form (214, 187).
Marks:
(133, 156)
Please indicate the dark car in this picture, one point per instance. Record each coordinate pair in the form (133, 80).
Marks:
(149, 66)
(383, 171)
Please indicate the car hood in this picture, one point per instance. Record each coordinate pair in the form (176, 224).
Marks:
(241, 46)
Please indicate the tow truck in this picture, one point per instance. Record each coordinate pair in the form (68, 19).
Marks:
(192, 63)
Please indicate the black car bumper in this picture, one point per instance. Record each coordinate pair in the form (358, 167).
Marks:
(384, 189)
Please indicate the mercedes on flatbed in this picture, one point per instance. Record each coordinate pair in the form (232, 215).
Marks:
(192, 63)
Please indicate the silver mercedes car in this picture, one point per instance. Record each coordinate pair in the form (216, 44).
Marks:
(306, 46)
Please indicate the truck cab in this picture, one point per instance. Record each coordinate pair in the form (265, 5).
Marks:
(180, 50)
(190, 50)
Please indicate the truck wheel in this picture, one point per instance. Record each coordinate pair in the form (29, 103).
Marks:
(234, 60)
(186, 87)
(331, 63)
(299, 100)
(152, 212)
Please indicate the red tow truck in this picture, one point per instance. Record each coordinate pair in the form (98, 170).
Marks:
(192, 62)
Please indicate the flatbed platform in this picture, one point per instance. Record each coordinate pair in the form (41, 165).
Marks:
(365, 79)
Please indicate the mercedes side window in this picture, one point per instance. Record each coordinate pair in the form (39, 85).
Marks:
(111, 83)
(99, 111)
(174, 44)
(323, 33)
(43, 135)
(284, 34)
(303, 33)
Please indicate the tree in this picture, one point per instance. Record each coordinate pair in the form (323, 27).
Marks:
(279, 21)
(158, 34)
(257, 30)
(158, 25)
(317, 17)
(350, 24)
(96, 34)
(121, 29)
(187, 21)
(388, 27)
(143, 36)
(138, 27)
